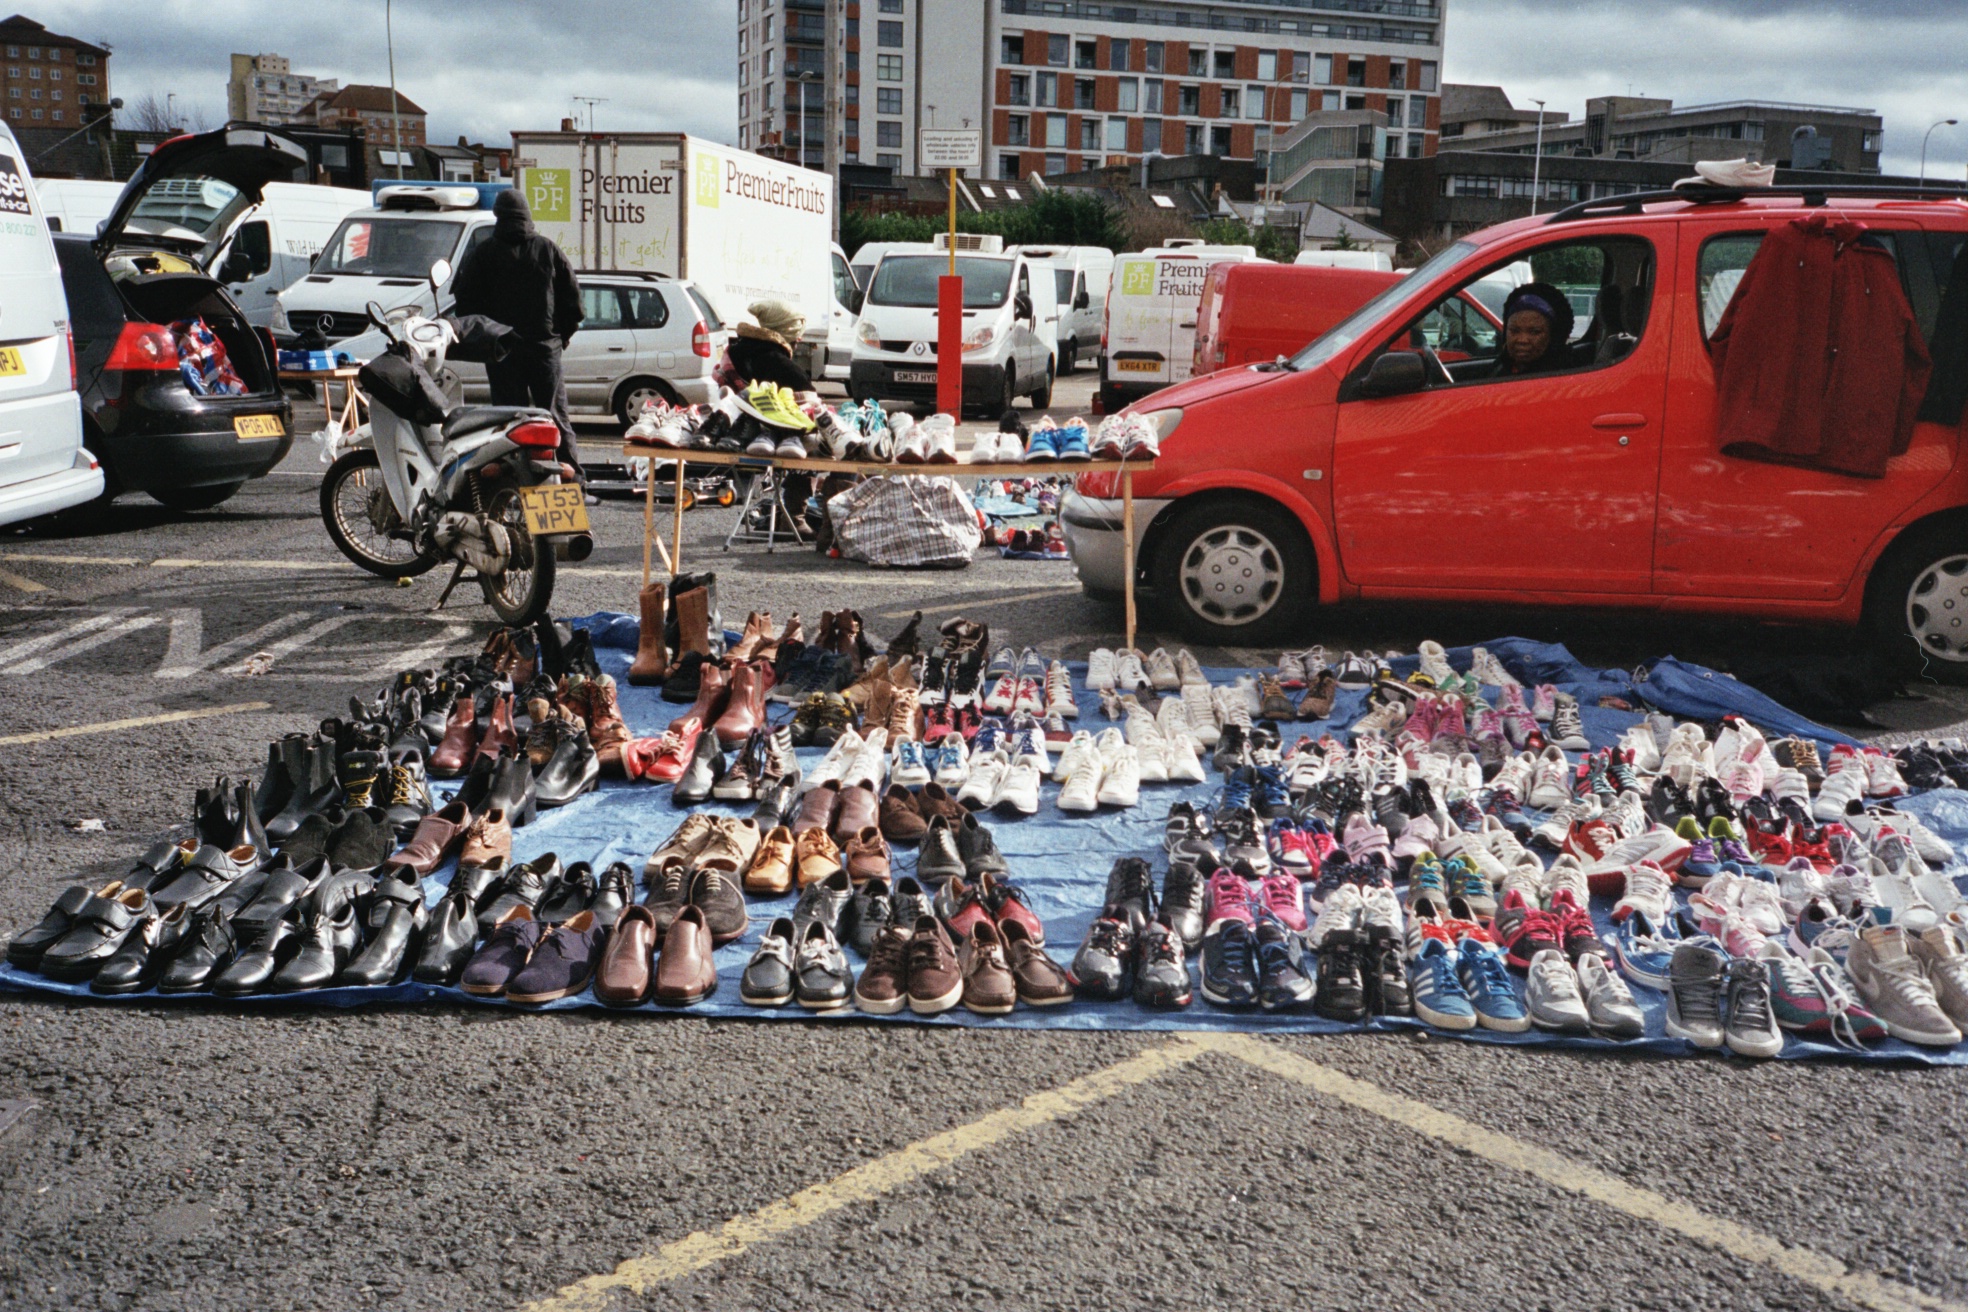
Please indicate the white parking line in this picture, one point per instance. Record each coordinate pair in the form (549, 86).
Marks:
(119, 628)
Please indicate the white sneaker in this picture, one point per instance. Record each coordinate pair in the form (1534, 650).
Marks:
(1232, 707)
(1558, 825)
(1146, 738)
(1628, 815)
(1100, 670)
(1883, 776)
(1435, 662)
(1840, 789)
(1019, 789)
(1566, 729)
(1030, 745)
(1076, 753)
(1380, 914)
(1551, 782)
(911, 444)
(1516, 775)
(1120, 771)
(1649, 891)
(1643, 754)
(1382, 719)
(953, 760)
(869, 763)
(1609, 1005)
(1464, 774)
(987, 772)
(1081, 791)
(984, 449)
(910, 764)
(1567, 873)
(833, 766)
(1130, 673)
(1179, 756)
(1201, 708)
(1188, 670)
(1059, 692)
(1489, 671)
(1341, 913)
(1552, 994)
(1161, 671)
(1172, 718)
(1868, 825)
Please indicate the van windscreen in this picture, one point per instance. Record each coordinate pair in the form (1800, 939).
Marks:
(1350, 329)
(910, 280)
(388, 248)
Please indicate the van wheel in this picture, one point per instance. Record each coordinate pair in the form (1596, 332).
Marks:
(629, 398)
(196, 498)
(1069, 356)
(1917, 605)
(1043, 397)
(1239, 572)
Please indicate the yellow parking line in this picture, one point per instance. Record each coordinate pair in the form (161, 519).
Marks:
(54, 558)
(14, 580)
(881, 1176)
(143, 721)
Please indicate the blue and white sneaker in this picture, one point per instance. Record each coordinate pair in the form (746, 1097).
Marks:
(1235, 794)
(1439, 997)
(1273, 796)
(989, 738)
(911, 766)
(1044, 442)
(1486, 980)
(873, 421)
(1644, 950)
(949, 762)
(1030, 745)
(1072, 441)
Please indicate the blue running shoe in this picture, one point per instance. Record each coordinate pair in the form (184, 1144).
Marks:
(1071, 440)
(1044, 443)
(1486, 979)
(1644, 949)
(1235, 794)
(1273, 795)
(1439, 997)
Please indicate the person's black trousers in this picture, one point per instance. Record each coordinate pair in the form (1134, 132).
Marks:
(530, 375)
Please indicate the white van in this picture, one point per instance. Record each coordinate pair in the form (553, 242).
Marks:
(1011, 326)
(846, 308)
(76, 204)
(1082, 273)
(1379, 260)
(384, 254)
(43, 467)
(1149, 339)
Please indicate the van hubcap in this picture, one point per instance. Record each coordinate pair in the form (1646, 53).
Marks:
(1232, 575)
(1937, 609)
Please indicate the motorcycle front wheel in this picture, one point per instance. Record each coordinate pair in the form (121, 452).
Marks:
(523, 593)
(362, 520)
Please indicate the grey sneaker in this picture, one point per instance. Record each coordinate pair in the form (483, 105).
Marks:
(1751, 1029)
(1552, 993)
(1607, 1000)
(1893, 983)
(1944, 956)
(1694, 994)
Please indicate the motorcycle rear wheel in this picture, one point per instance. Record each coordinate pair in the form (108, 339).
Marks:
(362, 521)
(523, 593)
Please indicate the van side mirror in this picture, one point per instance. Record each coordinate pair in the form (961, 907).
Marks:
(855, 299)
(1395, 373)
(250, 255)
(1082, 301)
(1021, 306)
(440, 273)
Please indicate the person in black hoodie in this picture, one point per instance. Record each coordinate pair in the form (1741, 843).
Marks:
(522, 280)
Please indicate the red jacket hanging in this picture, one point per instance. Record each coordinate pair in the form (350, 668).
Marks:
(1818, 358)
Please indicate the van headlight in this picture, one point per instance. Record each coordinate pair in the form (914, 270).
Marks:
(866, 334)
(978, 339)
(279, 320)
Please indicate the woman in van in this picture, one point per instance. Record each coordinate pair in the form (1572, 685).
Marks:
(1537, 331)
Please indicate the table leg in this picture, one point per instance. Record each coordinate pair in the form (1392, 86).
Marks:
(676, 532)
(1127, 548)
(648, 517)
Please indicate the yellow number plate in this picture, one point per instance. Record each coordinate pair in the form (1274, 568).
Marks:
(250, 428)
(11, 364)
(557, 508)
(1138, 366)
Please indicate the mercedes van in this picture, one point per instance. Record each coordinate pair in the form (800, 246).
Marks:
(43, 467)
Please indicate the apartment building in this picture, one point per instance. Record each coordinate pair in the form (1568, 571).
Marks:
(265, 88)
(1059, 86)
(49, 76)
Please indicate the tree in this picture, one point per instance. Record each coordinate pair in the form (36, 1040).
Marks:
(1344, 240)
(151, 112)
(1051, 218)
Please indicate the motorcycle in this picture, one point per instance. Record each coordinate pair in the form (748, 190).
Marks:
(480, 486)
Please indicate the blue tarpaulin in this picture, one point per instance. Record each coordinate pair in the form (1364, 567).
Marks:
(1062, 862)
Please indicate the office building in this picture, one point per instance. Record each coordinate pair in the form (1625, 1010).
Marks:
(266, 89)
(1061, 86)
(50, 76)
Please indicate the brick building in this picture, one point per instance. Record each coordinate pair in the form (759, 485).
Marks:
(48, 76)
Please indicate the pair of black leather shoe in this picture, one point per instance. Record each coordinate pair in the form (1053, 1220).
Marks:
(502, 783)
(396, 921)
(527, 885)
(224, 816)
(572, 770)
(263, 928)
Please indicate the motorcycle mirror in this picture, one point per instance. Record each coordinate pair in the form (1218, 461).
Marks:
(440, 274)
(376, 315)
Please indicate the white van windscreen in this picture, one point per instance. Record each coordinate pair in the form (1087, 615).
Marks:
(910, 280)
(185, 209)
(388, 248)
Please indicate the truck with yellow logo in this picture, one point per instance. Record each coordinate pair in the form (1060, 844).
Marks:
(1149, 335)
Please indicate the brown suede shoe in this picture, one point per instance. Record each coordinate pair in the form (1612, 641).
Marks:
(685, 972)
(622, 978)
(1041, 981)
(865, 856)
(607, 731)
(988, 986)
(490, 835)
(901, 820)
(771, 871)
(935, 981)
(935, 800)
(815, 856)
(903, 719)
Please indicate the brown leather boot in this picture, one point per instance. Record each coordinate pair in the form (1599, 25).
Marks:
(499, 731)
(607, 731)
(693, 612)
(652, 662)
(758, 628)
(769, 649)
(862, 690)
(454, 752)
(744, 708)
(713, 689)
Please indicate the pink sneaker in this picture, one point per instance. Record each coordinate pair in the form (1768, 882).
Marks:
(1366, 841)
(1284, 897)
(1423, 718)
(1544, 702)
(1739, 938)
(1228, 897)
(1449, 719)
(1489, 724)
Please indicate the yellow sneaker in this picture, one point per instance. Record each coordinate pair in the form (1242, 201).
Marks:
(775, 405)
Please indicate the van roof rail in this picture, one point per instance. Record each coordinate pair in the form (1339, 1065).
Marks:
(647, 275)
(1811, 193)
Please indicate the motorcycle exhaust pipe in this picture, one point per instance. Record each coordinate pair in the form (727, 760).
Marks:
(576, 547)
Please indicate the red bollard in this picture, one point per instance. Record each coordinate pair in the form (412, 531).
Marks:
(949, 345)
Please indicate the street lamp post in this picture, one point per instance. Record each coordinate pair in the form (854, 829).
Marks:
(1289, 79)
(396, 118)
(1537, 158)
(806, 131)
(1939, 123)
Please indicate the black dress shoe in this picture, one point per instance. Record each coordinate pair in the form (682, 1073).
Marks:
(280, 889)
(247, 831)
(480, 779)
(576, 894)
(867, 913)
(478, 885)
(404, 793)
(315, 790)
(407, 729)
(140, 962)
(206, 949)
(776, 799)
(526, 885)
(573, 769)
(160, 865)
(26, 949)
(701, 775)
(513, 790)
(329, 936)
(396, 918)
(685, 676)
(577, 655)
(262, 948)
(98, 929)
(449, 938)
(206, 875)
(615, 892)
(213, 813)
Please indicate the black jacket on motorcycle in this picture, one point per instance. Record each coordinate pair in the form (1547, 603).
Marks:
(519, 278)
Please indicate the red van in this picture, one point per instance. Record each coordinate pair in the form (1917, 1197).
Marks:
(1253, 313)
(1369, 466)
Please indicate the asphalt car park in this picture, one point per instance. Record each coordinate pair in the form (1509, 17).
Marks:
(222, 1157)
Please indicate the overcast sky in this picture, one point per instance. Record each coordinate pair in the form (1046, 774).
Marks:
(669, 64)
